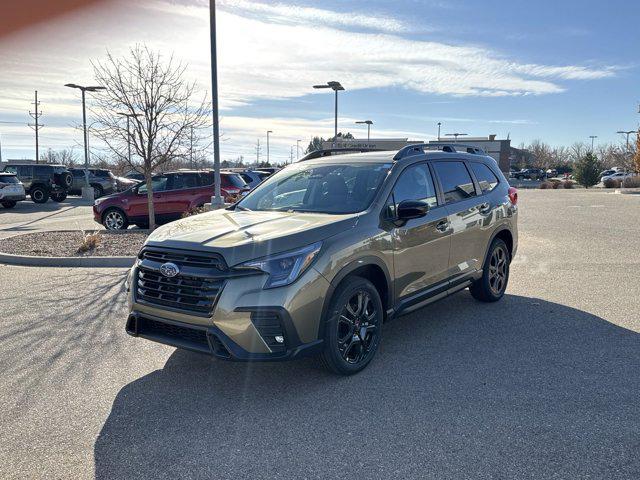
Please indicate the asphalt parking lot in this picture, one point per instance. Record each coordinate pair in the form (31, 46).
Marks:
(27, 216)
(544, 384)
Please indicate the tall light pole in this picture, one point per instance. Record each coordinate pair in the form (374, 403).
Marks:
(439, 125)
(87, 190)
(336, 87)
(216, 201)
(592, 137)
(129, 116)
(455, 135)
(298, 149)
(268, 132)
(368, 123)
(627, 133)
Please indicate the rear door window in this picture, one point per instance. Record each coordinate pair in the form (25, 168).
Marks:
(486, 178)
(159, 184)
(455, 180)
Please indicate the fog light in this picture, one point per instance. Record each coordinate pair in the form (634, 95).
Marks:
(279, 338)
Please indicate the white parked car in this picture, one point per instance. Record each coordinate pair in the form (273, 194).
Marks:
(618, 176)
(11, 190)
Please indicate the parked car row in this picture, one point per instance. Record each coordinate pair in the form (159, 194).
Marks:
(126, 197)
(174, 193)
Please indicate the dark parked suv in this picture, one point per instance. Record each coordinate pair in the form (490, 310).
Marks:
(318, 256)
(102, 181)
(43, 181)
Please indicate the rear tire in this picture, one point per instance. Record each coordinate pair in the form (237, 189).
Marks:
(354, 329)
(39, 194)
(9, 203)
(495, 274)
(115, 219)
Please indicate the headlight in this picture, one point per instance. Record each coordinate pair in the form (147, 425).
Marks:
(284, 268)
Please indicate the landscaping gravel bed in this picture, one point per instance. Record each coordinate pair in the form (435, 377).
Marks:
(67, 243)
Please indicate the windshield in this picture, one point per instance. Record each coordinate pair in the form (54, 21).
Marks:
(234, 180)
(335, 188)
(4, 179)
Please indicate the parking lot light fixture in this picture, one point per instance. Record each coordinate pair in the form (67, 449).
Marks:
(87, 192)
(368, 123)
(627, 133)
(268, 133)
(592, 137)
(129, 116)
(336, 87)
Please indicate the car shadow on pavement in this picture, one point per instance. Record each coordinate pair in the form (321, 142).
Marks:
(517, 389)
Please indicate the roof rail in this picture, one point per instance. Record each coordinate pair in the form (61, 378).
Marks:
(416, 149)
(335, 151)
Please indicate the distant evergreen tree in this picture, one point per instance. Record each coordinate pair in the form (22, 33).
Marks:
(587, 170)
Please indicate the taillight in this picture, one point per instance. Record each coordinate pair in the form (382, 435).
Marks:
(513, 195)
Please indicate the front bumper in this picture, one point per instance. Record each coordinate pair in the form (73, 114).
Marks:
(245, 322)
(209, 340)
(12, 197)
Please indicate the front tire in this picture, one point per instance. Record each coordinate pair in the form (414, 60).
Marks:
(115, 219)
(354, 329)
(39, 194)
(495, 274)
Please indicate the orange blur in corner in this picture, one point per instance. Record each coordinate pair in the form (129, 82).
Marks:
(21, 14)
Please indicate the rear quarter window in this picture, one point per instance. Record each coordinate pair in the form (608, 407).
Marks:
(456, 181)
(486, 178)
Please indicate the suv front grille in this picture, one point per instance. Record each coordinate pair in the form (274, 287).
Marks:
(182, 292)
(208, 261)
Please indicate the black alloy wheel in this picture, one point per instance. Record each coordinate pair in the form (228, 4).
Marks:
(353, 333)
(495, 274)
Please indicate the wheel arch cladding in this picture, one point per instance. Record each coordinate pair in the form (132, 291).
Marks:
(507, 237)
(370, 268)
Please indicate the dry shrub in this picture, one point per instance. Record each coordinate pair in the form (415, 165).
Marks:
(545, 185)
(567, 184)
(89, 242)
(631, 182)
(555, 184)
(609, 183)
(194, 211)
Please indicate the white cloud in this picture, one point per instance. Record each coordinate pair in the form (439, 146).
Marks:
(266, 51)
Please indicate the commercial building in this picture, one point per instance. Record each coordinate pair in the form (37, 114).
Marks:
(500, 150)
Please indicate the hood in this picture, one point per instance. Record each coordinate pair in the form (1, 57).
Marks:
(240, 236)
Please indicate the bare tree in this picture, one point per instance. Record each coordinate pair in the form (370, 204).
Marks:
(65, 156)
(157, 98)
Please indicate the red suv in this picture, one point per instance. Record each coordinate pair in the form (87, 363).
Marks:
(173, 194)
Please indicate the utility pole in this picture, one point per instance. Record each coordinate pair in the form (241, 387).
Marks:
(298, 149)
(129, 116)
(268, 132)
(258, 153)
(191, 148)
(439, 125)
(36, 114)
(291, 155)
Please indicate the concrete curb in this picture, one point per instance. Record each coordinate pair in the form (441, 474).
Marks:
(628, 191)
(95, 262)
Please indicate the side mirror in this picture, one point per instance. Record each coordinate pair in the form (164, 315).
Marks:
(409, 209)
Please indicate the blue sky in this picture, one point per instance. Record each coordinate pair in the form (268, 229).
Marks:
(557, 71)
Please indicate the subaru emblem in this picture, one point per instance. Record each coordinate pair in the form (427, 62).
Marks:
(169, 269)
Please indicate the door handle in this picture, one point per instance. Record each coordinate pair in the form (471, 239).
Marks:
(442, 226)
(484, 208)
